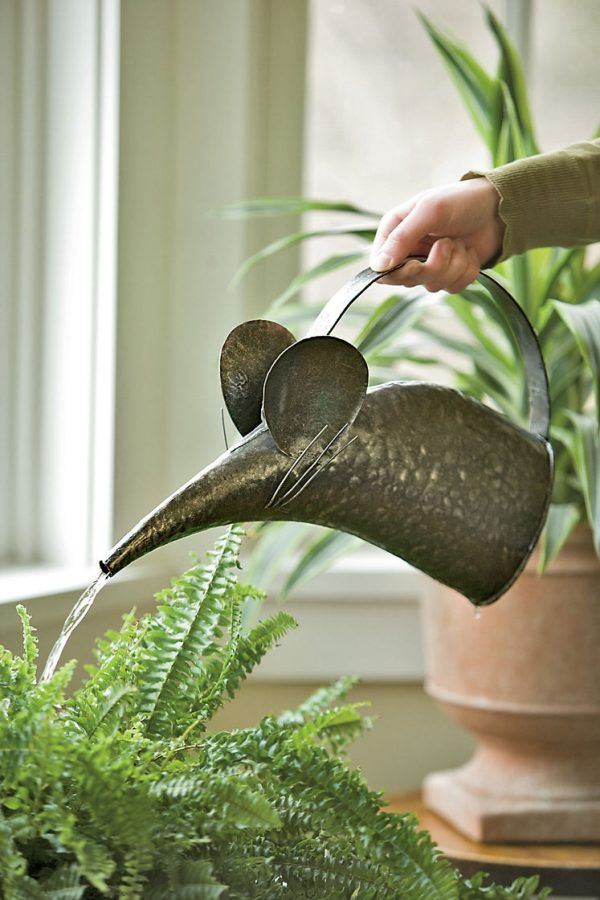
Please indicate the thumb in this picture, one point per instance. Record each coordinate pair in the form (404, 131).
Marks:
(404, 239)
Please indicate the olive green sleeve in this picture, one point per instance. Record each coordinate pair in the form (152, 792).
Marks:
(549, 200)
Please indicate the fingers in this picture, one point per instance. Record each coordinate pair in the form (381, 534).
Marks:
(450, 266)
(388, 223)
(404, 229)
(468, 275)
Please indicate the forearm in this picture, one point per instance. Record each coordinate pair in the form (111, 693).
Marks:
(550, 200)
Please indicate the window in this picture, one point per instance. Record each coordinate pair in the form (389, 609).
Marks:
(58, 214)
(112, 314)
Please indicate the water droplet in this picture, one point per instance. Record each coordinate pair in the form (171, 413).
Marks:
(477, 613)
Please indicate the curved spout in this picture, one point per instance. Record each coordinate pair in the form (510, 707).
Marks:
(233, 488)
(428, 474)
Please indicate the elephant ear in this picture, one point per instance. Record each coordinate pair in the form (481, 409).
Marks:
(247, 355)
(316, 387)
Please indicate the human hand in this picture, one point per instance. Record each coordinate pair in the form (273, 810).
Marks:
(457, 227)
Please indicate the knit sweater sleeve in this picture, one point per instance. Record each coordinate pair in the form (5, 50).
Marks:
(549, 200)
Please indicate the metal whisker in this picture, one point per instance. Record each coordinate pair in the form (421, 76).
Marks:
(224, 429)
(318, 472)
(298, 459)
(313, 464)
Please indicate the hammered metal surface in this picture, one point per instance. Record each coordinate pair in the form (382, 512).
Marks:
(422, 471)
(315, 387)
(433, 476)
(247, 355)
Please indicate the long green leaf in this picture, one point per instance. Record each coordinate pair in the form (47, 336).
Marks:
(517, 139)
(481, 331)
(552, 273)
(292, 240)
(589, 283)
(391, 318)
(562, 519)
(323, 268)
(292, 206)
(474, 84)
(511, 71)
(319, 557)
(584, 322)
(502, 391)
(279, 541)
(583, 441)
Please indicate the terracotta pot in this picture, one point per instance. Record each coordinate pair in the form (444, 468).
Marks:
(524, 678)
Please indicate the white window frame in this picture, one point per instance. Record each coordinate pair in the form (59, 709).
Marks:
(60, 139)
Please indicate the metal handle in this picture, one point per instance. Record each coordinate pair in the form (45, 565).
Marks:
(535, 369)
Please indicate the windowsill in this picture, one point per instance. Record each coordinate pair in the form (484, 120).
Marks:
(18, 584)
(368, 573)
(360, 617)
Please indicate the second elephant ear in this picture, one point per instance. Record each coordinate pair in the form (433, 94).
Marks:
(247, 355)
(313, 390)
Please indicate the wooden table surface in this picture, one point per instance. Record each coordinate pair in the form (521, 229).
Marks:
(572, 869)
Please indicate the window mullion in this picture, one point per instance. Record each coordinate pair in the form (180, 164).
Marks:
(105, 281)
(26, 275)
(8, 32)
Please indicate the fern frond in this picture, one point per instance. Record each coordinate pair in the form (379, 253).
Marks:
(114, 654)
(13, 865)
(63, 884)
(320, 700)
(30, 644)
(224, 674)
(190, 880)
(521, 889)
(232, 801)
(94, 861)
(255, 645)
(189, 620)
(338, 727)
(309, 869)
(108, 712)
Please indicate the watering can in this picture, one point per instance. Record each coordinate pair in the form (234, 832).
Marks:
(421, 470)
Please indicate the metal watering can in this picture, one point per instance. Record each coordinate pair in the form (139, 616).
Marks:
(433, 476)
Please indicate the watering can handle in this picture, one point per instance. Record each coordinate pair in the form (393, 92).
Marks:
(535, 369)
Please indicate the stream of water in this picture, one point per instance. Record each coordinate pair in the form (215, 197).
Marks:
(77, 614)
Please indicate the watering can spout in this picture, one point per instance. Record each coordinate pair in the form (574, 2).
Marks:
(225, 491)
(434, 477)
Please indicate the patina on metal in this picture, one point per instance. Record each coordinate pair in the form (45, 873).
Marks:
(246, 356)
(421, 470)
(313, 390)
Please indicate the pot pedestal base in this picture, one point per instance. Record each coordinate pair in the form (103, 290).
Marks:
(524, 680)
(490, 818)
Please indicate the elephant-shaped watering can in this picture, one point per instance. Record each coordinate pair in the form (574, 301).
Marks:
(433, 476)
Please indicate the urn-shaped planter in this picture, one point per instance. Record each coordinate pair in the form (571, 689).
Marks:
(524, 677)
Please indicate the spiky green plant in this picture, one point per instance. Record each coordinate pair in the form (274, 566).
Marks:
(558, 290)
(123, 790)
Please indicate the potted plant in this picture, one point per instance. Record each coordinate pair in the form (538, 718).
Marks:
(525, 675)
(123, 790)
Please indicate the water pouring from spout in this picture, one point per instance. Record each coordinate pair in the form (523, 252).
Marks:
(75, 617)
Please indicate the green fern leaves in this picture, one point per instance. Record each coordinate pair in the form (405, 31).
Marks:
(122, 790)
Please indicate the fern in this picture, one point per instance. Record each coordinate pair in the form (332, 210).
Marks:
(122, 790)
(185, 629)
